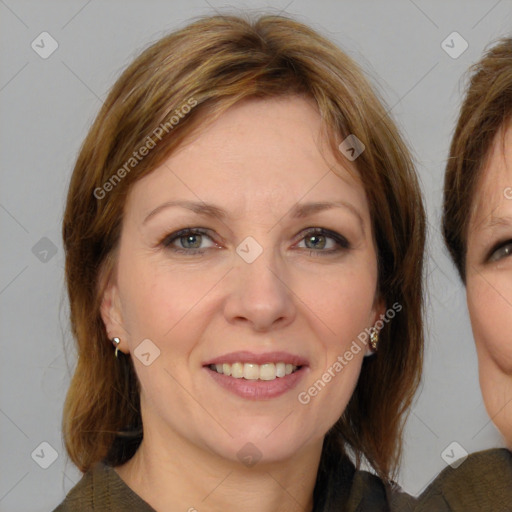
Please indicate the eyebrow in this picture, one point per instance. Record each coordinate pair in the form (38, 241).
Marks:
(303, 210)
(297, 212)
(200, 208)
(497, 222)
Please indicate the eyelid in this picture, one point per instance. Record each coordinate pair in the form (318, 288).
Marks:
(497, 247)
(340, 241)
(175, 235)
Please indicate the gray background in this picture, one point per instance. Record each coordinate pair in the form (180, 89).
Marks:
(47, 106)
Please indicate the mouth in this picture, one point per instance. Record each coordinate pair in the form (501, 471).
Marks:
(253, 371)
(257, 376)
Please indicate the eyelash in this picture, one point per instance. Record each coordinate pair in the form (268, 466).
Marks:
(340, 240)
(499, 246)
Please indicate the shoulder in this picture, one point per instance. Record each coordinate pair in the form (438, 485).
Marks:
(370, 493)
(343, 487)
(80, 497)
(100, 489)
(482, 482)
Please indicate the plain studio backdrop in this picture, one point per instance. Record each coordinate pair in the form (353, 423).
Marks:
(415, 53)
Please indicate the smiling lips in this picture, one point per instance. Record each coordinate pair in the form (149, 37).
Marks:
(257, 376)
(253, 371)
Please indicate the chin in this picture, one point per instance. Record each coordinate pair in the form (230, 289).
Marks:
(261, 445)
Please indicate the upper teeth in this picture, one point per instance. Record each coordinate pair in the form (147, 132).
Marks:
(251, 371)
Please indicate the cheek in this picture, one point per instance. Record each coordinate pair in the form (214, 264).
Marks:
(343, 308)
(345, 304)
(158, 296)
(491, 318)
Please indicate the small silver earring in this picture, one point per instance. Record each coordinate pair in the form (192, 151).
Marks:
(116, 341)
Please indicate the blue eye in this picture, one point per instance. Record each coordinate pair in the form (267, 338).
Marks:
(318, 241)
(500, 251)
(188, 240)
(323, 241)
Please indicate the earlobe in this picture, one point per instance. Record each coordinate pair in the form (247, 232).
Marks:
(377, 324)
(379, 311)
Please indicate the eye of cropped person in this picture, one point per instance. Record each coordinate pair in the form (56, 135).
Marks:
(254, 230)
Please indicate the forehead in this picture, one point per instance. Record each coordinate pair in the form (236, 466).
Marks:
(263, 153)
(491, 199)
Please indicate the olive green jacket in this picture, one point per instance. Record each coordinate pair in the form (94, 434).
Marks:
(482, 483)
(101, 489)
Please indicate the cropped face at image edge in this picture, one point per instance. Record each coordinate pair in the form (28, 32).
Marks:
(489, 282)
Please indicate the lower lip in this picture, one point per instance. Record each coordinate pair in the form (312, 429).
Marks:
(258, 389)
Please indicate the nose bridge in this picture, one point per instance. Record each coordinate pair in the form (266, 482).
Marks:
(259, 293)
(259, 267)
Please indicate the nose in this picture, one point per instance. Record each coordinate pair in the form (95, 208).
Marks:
(259, 294)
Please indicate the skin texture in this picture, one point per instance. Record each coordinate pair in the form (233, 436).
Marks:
(257, 161)
(489, 281)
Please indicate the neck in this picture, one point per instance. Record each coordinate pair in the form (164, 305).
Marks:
(176, 475)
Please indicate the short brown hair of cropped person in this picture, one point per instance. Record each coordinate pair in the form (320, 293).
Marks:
(218, 62)
(487, 107)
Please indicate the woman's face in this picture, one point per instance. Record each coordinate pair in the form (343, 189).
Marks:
(489, 281)
(276, 273)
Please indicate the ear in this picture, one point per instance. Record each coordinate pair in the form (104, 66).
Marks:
(379, 309)
(112, 314)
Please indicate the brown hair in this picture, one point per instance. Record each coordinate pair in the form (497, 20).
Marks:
(486, 108)
(214, 63)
